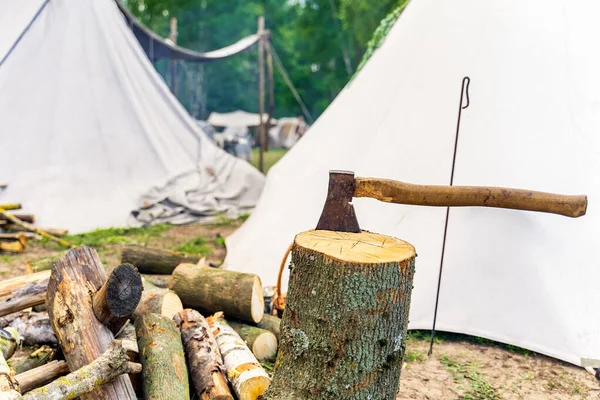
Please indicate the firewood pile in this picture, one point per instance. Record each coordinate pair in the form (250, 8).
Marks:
(122, 337)
(17, 229)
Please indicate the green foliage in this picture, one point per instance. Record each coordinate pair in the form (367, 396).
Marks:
(196, 246)
(112, 235)
(414, 355)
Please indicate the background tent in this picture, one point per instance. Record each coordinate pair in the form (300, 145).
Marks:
(523, 278)
(90, 132)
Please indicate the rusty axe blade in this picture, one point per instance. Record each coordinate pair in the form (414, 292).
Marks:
(338, 212)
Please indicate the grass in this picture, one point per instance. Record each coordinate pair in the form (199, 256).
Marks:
(481, 388)
(270, 157)
(196, 246)
(414, 355)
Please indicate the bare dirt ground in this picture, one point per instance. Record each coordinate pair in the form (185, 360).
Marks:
(460, 368)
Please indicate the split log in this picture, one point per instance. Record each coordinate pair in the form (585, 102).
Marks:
(28, 295)
(15, 246)
(118, 297)
(11, 206)
(42, 375)
(248, 379)
(155, 261)
(9, 388)
(203, 356)
(111, 364)
(159, 301)
(210, 290)
(272, 324)
(75, 279)
(349, 293)
(262, 342)
(9, 286)
(43, 264)
(33, 327)
(164, 373)
(41, 356)
(9, 340)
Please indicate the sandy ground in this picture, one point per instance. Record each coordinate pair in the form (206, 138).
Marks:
(458, 369)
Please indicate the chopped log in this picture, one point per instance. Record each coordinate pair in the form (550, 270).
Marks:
(11, 206)
(248, 379)
(160, 301)
(33, 327)
(42, 375)
(30, 218)
(262, 342)
(238, 295)
(39, 357)
(349, 293)
(75, 279)
(9, 340)
(43, 263)
(29, 295)
(271, 323)
(118, 297)
(203, 356)
(9, 388)
(9, 286)
(15, 246)
(111, 364)
(164, 373)
(155, 261)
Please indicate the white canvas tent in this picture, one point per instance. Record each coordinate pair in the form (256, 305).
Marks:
(90, 132)
(523, 278)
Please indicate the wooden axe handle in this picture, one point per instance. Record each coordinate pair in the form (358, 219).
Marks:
(464, 196)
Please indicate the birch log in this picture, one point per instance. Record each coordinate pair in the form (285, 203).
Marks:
(262, 342)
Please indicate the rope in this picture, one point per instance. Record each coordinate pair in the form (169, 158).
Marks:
(288, 81)
(279, 300)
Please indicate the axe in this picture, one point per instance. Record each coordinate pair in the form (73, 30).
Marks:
(338, 212)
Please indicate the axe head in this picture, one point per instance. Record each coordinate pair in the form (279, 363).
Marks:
(338, 212)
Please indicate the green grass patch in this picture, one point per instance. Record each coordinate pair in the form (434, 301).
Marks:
(414, 355)
(270, 157)
(196, 246)
(8, 258)
(481, 388)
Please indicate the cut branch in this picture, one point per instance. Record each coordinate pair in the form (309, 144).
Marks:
(42, 375)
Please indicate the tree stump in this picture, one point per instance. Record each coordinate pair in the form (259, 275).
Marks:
(74, 281)
(343, 331)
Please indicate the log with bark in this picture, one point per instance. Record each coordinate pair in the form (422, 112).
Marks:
(75, 279)
(42, 375)
(164, 373)
(9, 286)
(155, 261)
(87, 380)
(210, 290)
(248, 379)
(9, 387)
(33, 327)
(28, 295)
(118, 297)
(30, 218)
(41, 356)
(272, 324)
(159, 301)
(262, 342)
(348, 300)
(204, 359)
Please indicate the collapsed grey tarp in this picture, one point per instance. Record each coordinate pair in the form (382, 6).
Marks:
(90, 132)
(157, 47)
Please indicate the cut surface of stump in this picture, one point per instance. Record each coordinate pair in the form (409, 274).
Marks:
(262, 342)
(343, 332)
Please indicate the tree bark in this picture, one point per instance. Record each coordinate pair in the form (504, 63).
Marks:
(35, 328)
(210, 290)
(159, 301)
(28, 295)
(9, 388)
(118, 297)
(262, 342)
(164, 373)
(343, 331)
(75, 279)
(9, 286)
(272, 324)
(203, 356)
(248, 379)
(155, 261)
(39, 357)
(42, 375)
(105, 369)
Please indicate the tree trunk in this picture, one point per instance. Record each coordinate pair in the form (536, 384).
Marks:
(39, 357)
(118, 297)
(9, 388)
(159, 301)
(155, 261)
(75, 279)
(270, 323)
(42, 375)
(262, 342)
(29, 295)
(105, 369)
(35, 328)
(343, 331)
(248, 379)
(164, 373)
(203, 356)
(10, 286)
(238, 295)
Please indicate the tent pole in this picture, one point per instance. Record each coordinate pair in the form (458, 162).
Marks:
(261, 90)
(173, 67)
(271, 85)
